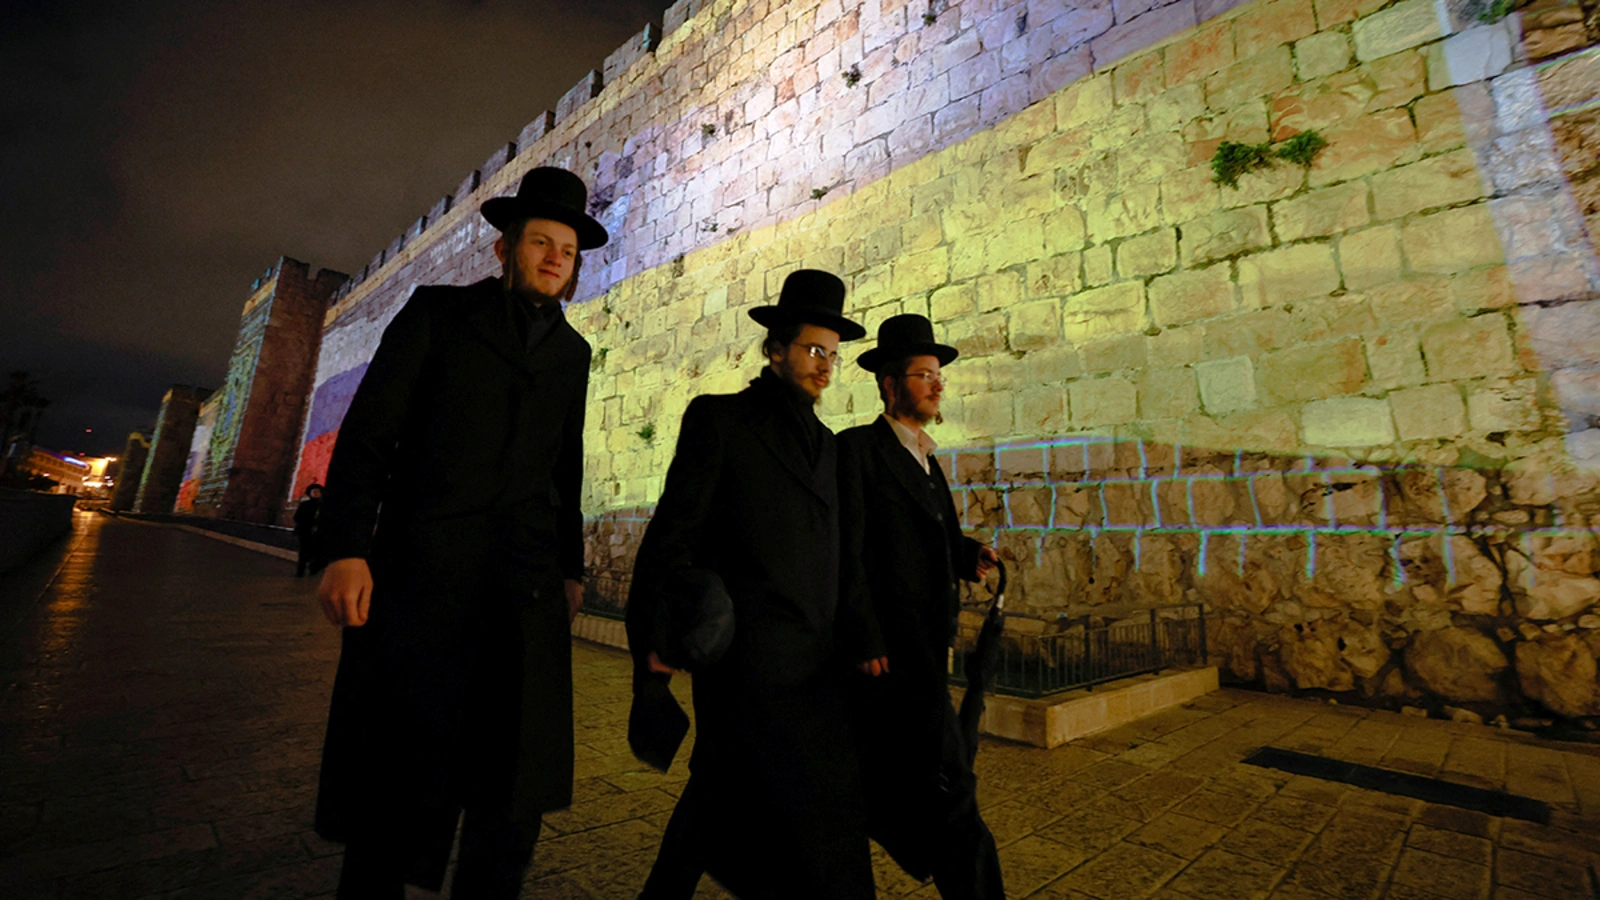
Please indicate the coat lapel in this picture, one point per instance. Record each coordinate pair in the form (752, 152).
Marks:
(902, 467)
(771, 433)
(492, 323)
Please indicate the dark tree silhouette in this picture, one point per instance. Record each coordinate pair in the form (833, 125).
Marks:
(21, 406)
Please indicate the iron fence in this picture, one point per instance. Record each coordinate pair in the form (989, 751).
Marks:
(605, 594)
(1040, 656)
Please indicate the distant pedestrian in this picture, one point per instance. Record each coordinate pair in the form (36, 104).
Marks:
(305, 531)
(903, 552)
(453, 524)
(773, 804)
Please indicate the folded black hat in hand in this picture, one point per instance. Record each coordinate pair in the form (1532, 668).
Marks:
(656, 723)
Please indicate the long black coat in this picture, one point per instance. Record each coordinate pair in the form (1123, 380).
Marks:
(903, 551)
(457, 474)
(773, 768)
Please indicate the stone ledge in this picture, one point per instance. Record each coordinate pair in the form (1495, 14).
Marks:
(1052, 721)
(600, 630)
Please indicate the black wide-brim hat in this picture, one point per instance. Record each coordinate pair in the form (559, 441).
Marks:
(811, 297)
(551, 193)
(902, 337)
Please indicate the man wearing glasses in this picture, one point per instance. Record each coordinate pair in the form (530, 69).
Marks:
(903, 551)
(773, 805)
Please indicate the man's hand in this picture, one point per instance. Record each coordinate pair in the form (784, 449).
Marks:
(346, 591)
(574, 598)
(988, 561)
(875, 667)
(659, 667)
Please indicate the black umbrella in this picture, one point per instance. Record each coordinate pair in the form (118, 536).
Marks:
(979, 665)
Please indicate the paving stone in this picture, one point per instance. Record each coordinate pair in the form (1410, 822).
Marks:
(1124, 872)
(1221, 875)
(1540, 875)
(1267, 841)
(1442, 875)
(1178, 835)
(1452, 844)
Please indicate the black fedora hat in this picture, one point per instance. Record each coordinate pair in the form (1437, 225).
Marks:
(549, 193)
(900, 337)
(813, 297)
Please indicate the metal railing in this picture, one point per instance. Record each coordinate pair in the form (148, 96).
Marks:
(605, 594)
(1078, 649)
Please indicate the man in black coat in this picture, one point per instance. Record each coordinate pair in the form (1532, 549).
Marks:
(451, 518)
(903, 551)
(772, 808)
(306, 515)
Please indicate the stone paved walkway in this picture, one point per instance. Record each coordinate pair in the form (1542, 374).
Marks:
(162, 713)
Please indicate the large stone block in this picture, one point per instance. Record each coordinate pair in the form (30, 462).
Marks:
(1470, 348)
(1438, 181)
(1319, 213)
(1458, 664)
(1227, 385)
(1192, 295)
(1504, 405)
(1167, 393)
(1035, 325)
(1325, 318)
(1365, 145)
(1114, 354)
(1084, 101)
(1099, 312)
(1407, 24)
(1250, 80)
(1041, 409)
(1427, 413)
(1287, 274)
(1265, 26)
(1347, 422)
(1149, 254)
(1321, 54)
(1559, 673)
(1055, 276)
(1207, 50)
(1370, 257)
(1224, 234)
(1313, 372)
(1131, 212)
(921, 271)
(1099, 402)
(988, 414)
(1453, 240)
(1477, 54)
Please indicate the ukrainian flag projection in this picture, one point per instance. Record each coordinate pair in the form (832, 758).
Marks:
(1283, 307)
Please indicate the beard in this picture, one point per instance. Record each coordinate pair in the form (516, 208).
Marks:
(905, 407)
(514, 282)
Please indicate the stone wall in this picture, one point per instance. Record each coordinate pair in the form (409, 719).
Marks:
(1351, 407)
(245, 467)
(130, 469)
(194, 469)
(169, 449)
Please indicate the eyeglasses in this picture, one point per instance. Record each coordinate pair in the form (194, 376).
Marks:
(931, 378)
(819, 352)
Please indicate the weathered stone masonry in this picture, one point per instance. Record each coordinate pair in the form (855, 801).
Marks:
(1351, 408)
(241, 462)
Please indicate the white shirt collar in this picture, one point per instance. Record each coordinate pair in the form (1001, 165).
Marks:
(916, 442)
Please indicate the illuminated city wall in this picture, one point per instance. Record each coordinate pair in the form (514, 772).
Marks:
(1348, 406)
(199, 446)
(169, 450)
(248, 459)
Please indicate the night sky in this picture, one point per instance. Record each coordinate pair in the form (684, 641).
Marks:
(157, 157)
